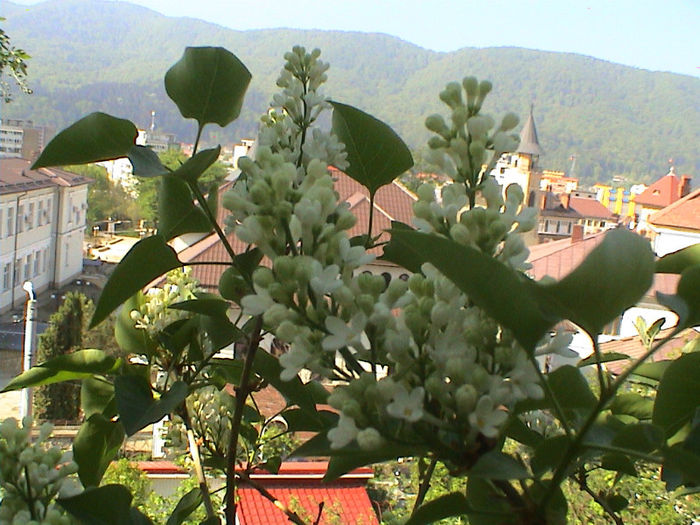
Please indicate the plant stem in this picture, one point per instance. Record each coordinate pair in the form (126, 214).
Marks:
(599, 366)
(369, 222)
(203, 487)
(200, 128)
(605, 397)
(242, 393)
(557, 407)
(583, 483)
(424, 485)
(30, 498)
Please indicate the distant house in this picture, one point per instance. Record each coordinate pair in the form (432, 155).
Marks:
(662, 193)
(676, 226)
(594, 216)
(42, 225)
(556, 218)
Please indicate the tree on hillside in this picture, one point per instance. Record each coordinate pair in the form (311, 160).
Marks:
(13, 63)
(61, 401)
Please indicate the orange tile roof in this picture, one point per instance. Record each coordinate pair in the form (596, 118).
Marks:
(299, 486)
(661, 193)
(16, 176)
(632, 346)
(682, 214)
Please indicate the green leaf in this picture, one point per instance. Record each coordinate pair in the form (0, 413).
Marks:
(196, 165)
(93, 138)
(549, 454)
(106, 505)
(488, 505)
(680, 467)
(136, 405)
(571, 388)
(678, 261)
(145, 162)
(97, 397)
(211, 306)
(618, 463)
(453, 504)
(147, 260)
(613, 277)
(376, 154)
(641, 437)
(652, 371)
(632, 405)
(607, 357)
(96, 444)
(497, 465)
(516, 429)
(177, 212)
(233, 286)
(616, 502)
(208, 84)
(295, 392)
(78, 365)
(352, 457)
(678, 395)
(186, 506)
(299, 420)
(505, 295)
(229, 369)
(689, 290)
(130, 339)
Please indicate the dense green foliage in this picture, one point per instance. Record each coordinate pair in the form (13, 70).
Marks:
(616, 120)
(13, 64)
(61, 401)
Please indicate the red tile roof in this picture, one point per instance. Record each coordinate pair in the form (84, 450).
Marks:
(590, 208)
(682, 214)
(300, 487)
(661, 193)
(632, 346)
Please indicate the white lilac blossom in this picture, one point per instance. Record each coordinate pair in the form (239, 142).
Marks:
(449, 365)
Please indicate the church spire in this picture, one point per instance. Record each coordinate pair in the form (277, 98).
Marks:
(529, 144)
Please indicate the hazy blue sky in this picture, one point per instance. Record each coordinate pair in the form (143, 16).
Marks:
(652, 34)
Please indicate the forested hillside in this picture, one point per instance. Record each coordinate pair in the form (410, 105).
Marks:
(92, 55)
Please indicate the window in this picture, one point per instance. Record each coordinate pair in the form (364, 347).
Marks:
(40, 214)
(10, 222)
(66, 252)
(45, 260)
(20, 218)
(69, 210)
(48, 210)
(6, 276)
(37, 256)
(30, 216)
(28, 267)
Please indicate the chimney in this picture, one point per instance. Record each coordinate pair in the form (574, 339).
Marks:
(684, 186)
(564, 198)
(577, 233)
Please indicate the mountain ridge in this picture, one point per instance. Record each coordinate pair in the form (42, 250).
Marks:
(616, 119)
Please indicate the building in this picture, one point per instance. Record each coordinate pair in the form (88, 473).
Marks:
(662, 193)
(42, 224)
(676, 226)
(557, 182)
(594, 216)
(22, 138)
(521, 167)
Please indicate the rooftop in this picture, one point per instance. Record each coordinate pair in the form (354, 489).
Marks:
(664, 191)
(682, 214)
(16, 176)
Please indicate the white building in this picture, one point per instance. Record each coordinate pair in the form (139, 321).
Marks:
(22, 138)
(42, 224)
(676, 226)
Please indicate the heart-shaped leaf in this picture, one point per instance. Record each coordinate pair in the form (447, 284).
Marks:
(93, 138)
(145, 162)
(94, 447)
(208, 84)
(177, 212)
(147, 260)
(136, 405)
(376, 154)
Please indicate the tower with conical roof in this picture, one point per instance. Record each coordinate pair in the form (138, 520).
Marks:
(529, 150)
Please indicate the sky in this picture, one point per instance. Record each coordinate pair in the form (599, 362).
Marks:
(660, 35)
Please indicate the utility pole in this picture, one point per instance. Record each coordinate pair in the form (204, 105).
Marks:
(25, 407)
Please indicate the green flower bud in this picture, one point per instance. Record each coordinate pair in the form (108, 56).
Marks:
(510, 120)
(471, 86)
(465, 400)
(263, 277)
(437, 143)
(436, 124)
